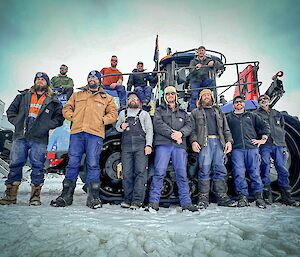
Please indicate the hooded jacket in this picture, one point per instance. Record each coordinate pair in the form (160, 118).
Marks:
(90, 112)
(49, 116)
(165, 121)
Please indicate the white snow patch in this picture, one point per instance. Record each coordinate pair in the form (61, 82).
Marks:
(112, 231)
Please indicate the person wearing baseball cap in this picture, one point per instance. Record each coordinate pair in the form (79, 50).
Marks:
(33, 113)
(212, 140)
(249, 131)
(89, 110)
(136, 127)
(275, 147)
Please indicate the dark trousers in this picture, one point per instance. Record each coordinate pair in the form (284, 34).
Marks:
(242, 160)
(20, 150)
(195, 92)
(278, 154)
(144, 93)
(163, 153)
(91, 145)
(134, 166)
(120, 91)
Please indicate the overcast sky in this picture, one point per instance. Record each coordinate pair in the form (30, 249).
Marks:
(40, 35)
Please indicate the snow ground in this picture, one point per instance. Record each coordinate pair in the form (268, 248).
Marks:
(111, 231)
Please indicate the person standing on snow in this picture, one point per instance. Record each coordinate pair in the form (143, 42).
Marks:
(89, 111)
(33, 113)
(275, 147)
(62, 82)
(172, 126)
(212, 139)
(137, 136)
(246, 128)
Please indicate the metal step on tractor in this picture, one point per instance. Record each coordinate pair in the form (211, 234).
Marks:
(174, 69)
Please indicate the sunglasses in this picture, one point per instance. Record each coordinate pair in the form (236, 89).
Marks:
(114, 60)
(262, 98)
(172, 93)
(63, 68)
(238, 101)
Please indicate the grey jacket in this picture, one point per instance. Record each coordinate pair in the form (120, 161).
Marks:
(199, 133)
(276, 122)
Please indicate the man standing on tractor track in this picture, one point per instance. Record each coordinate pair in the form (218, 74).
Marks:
(89, 111)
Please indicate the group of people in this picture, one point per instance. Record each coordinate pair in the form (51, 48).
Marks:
(251, 138)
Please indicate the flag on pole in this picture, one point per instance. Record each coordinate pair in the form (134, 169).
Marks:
(156, 53)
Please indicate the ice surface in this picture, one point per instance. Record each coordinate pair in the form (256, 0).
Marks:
(112, 231)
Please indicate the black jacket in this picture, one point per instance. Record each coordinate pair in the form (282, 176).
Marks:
(276, 122)
(201, 74)
(141, 80)
(165, 120)
(199, 122)
(245, 127)
(49, 117)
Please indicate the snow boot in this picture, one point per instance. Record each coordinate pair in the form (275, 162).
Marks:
(203, 197)
(242, 201)
(152, 206)
(190, 207)
(66, 197)
(267, 195)
(10, 195)
(125, 205)
(93, 200)
(35, 195)
(286, 197)
(220, 190)
(259, 201)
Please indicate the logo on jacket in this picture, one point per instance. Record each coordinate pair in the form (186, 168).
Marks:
(47, 111)
(180, 119)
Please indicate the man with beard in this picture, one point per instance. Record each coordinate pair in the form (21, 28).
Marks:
(172, 126)
(246, 128)
(62, 83)
(114, 82)
(89, 111)
(199, 75)
(33, 113)
(211, 139)
(140, 83)
(275, 147)
(137, 135)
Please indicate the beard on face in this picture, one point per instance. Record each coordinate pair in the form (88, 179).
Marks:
(207, 102)
(63, 72)
(40, 87)
(133, 104)
(92, 85)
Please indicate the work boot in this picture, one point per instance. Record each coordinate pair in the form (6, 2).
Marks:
(35, 195)
(190, 207)
(260, 203)
(267, 195)
(135, 205)
(93, 200)
(203, 197)
(286, 197)
(66, 197)
(125, 205)
(220, 190)
(152, 206)
(10, 195)
(242, 201)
